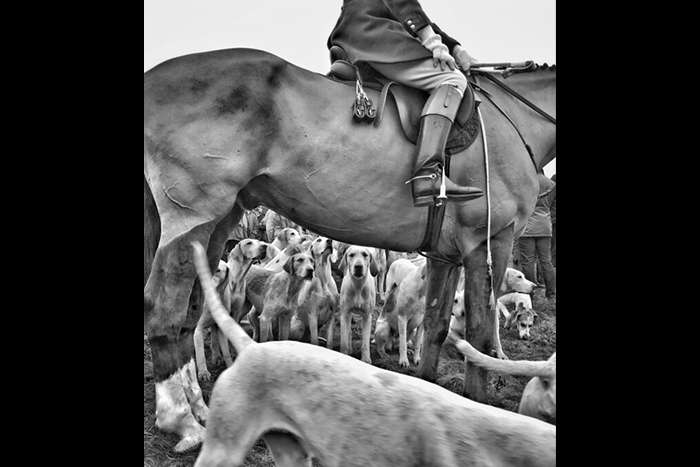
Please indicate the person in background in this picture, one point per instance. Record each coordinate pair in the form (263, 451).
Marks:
(553, 213)
(535, 243)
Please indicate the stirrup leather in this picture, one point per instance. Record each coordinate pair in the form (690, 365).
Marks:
(432, 176)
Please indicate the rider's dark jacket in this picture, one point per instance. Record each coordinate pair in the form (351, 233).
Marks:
(383, 31)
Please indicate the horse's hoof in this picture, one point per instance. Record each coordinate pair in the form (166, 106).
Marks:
(190, 442)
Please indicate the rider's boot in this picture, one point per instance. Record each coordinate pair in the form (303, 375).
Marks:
(436, 121)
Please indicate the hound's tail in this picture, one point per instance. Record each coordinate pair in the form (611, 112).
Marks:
(509, 367)
(231, 329)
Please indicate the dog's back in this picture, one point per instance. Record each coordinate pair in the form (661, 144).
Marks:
(446, 429)
(398, 270)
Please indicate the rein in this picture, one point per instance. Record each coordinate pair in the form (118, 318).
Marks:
(515, 94)
(487, 95)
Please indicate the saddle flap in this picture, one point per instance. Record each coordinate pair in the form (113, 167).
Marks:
(410, 103)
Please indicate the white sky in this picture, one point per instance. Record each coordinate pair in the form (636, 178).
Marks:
(297, 30)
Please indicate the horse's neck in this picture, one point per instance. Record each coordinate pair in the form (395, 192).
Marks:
(539, 87)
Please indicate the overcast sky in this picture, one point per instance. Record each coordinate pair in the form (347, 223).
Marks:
(297, 30)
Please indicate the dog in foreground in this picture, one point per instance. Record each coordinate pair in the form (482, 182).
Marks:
(308, 402)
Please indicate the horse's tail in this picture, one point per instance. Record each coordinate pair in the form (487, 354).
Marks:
(510, 367)
(151, 230)
(231, 329)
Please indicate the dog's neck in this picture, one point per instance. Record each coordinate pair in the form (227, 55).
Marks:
(295, 285)
(359, 281)
(323, 270)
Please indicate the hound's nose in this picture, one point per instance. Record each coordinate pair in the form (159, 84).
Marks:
(525, 337)
(358, 270)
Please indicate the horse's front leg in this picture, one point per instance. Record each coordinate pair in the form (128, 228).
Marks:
(172, 307)
(440, 290)
(481, 329)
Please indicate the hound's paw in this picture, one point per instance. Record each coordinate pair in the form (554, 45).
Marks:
(366, 360)
(416, 359)
(403, 363)
(204, 375)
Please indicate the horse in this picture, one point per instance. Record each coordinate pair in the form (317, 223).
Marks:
(233, 129)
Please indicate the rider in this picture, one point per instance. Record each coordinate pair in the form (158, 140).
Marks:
(396, 38)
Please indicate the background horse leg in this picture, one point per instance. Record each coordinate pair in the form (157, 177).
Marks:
(176, 301)
(481, 331)
(439, 297)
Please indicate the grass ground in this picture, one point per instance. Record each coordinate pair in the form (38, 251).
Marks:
(503, 391)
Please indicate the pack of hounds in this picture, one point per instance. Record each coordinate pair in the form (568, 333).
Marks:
(291, 284)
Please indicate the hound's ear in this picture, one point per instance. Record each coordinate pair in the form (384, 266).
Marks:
(235, 253)
(281, 236)
(269, 252)
(534, 315)
(343, 263)
(334, 254)
(289, 265)
(373, 266)
(226, 273)
(516, 315)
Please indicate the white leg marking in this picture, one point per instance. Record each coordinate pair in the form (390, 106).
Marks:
(174, 415)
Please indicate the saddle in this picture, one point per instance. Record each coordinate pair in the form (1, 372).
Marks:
(409, 101)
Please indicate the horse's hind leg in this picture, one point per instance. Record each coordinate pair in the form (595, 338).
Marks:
(481, 330)
(439, 297)
(172, 307)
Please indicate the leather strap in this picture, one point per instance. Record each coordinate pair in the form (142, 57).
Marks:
(436, 215)
(517, 130)
(382, 103)
(515, 94)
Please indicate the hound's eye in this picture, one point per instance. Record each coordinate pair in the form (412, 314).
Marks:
(352, 255)
(299, 260)
(364, 254)
(248, 243)
(456, 300)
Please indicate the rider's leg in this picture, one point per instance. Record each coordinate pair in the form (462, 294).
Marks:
(446, 90)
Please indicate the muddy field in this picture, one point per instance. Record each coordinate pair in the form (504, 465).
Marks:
(503, 391)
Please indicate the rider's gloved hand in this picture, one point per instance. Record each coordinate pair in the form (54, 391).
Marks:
(463, 59)
(433, 42)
